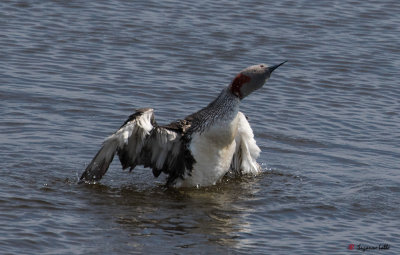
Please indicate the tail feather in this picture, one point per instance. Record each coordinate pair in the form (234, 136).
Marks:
(100, 163)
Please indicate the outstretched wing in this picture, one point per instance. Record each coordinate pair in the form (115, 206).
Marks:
(247, 151)
(140, 141)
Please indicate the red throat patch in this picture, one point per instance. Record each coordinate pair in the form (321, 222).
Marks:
(237, 83)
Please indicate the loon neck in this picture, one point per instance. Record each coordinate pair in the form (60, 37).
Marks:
(223, 109)
(225, 102)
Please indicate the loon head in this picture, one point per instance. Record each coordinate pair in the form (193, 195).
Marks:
(251, 78)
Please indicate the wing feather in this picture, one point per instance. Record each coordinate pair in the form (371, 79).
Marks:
(247, 151)
(140, 141)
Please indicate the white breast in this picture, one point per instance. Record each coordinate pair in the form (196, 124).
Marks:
(213, 151)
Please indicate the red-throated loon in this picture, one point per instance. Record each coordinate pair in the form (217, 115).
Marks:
(196, 151)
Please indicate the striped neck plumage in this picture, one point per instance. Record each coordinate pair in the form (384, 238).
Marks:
(224, 108)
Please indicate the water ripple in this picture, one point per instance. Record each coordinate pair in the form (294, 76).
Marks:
(327, 124)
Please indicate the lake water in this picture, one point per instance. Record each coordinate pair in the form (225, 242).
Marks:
(327, 123)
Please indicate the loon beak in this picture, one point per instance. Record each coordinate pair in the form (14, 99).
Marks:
(272, 68)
